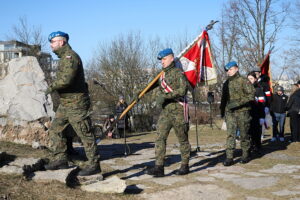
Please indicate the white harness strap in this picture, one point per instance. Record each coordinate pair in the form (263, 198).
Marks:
(164, 85)
(168, 89)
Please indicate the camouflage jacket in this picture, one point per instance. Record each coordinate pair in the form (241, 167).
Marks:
(237, 94)
(70, 75)
(176, 80)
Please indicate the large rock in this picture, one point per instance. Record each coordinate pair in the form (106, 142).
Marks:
(11, 169)
(86, 180)
(24, 109)
(62, 175)
(111, 185)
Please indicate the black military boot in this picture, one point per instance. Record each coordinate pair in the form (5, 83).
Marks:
(156, 171)
(228, 162)
(90, 170)
(38, 166)
(183, 170)
(245, 160)
(57, 164)
(246, 157)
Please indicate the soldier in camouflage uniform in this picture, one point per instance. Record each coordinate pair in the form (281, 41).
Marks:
(237, 94)
(73, 109)
(172, 100)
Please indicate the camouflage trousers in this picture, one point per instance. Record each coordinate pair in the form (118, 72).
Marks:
(237, 121)
(73, 111)
(168, 119)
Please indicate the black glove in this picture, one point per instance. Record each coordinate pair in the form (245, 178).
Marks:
(160, 101)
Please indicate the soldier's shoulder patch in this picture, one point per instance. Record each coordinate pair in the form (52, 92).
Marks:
(69, 57)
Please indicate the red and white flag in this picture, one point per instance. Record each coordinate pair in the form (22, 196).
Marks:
(266, 69)
(196, 61)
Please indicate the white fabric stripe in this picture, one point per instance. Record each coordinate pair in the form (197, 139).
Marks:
(187, 65)
(164, 85)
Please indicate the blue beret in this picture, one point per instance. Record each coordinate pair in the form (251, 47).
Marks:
(229, 65)
(58, 33)
(164, 53)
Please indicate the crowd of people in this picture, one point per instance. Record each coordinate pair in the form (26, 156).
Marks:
(245, 109)
(245, 103)
(117, 128)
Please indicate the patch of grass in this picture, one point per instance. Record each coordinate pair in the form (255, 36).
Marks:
(22, 150)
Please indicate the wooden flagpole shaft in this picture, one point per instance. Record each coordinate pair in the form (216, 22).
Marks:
(156, 79)
(141, 95)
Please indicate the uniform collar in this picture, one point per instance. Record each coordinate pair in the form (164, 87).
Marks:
(169, 67)
(60, 52)
(237, 74)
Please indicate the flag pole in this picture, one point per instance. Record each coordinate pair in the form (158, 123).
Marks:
(146, 89)
(207, 28)
(269, 70)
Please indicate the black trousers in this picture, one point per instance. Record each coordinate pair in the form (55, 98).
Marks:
(255, 132)
(295, 126)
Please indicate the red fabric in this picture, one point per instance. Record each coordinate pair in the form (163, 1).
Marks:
(195, 59)
(266, 69)
(164, 85)
(167, 89)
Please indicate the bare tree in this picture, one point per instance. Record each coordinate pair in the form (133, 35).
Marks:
(26, 33)
(124, 69)
(291, 57)
(295, 17)
(254, 27)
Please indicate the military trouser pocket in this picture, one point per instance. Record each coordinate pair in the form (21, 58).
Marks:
(85, 127)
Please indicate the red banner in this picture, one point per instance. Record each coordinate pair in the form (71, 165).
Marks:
(266, 69)
(197, 62)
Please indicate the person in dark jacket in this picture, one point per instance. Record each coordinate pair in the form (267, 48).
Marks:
(293, 108)
(277, 109)
(109, 122)
(264, 80)
(257, 113)
(122, 124)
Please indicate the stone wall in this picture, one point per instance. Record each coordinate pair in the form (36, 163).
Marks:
(24, 109)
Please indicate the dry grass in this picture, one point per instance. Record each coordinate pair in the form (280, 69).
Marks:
(15, 187)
